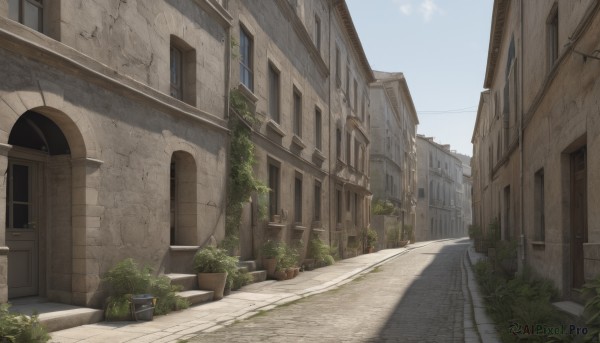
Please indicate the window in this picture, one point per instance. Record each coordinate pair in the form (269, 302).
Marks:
(338, 211)
(538, 203)
(338, 67)
(19, 196)
(317, 202)
(27, 12)
(356, 151)
(298, 199)
(348, 81)
(348, 196)
(552, 24)
(348, 147)
(338, 143)
(273, 93)
(421, 193)
(297, 113)
(246, 46)
(176, 75)
(355, 209)
(318, 32)
(318, 133)
(355, 96)
(274, 192)
(362, 108)
(182, 69)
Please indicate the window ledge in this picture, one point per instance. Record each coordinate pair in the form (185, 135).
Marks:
(273, 126)
(297, 141)
(184, 247)
(247, 93)
(299, 227)
(538, 244)
(318, 155)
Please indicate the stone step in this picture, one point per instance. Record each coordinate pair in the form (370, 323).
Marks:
(249, 265)
(258, 275)
(188, 281)
(54, 316)
(196, 296)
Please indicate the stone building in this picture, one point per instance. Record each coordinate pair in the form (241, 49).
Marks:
(440, 212)
(466, 193)
(114, 133)
(534, 155)
(393, 149)
(113, 139)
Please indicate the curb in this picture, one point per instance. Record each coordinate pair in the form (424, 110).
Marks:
(483, 325)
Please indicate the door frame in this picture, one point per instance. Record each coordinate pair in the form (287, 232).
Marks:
(576, 249)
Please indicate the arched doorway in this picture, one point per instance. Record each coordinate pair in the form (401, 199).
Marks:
(38, 204)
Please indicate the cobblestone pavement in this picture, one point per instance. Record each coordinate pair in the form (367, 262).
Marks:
(416, 297)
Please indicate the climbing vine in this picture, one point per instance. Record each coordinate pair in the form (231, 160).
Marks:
(242, 181)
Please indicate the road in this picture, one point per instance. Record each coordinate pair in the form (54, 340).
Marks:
(415, 297)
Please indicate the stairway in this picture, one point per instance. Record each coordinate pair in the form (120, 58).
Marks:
(190, 291)
(55, 316)
(250, 266)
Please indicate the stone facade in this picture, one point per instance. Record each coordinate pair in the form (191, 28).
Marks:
(393, 149)
(114, 134)
(534, 163)
(89, 133)
(440, 209)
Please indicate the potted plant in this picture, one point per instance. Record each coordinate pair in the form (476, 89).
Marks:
(370, 238)
(271, 252)
(212, 265)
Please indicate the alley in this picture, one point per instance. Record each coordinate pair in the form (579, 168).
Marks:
(416, 297)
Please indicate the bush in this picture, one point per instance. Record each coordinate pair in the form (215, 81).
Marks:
(319, 251)
(383, 207)
(369, 237)
(591, 314)
(214, 260)
(272, 249)
(521, 300)
(126, 279)
(16, 328)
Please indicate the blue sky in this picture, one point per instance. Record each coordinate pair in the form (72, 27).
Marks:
(441, 47)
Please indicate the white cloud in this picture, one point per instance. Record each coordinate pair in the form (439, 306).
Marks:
(405, 6)
(427, 8)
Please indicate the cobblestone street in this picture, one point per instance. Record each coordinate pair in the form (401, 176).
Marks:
(416, 297)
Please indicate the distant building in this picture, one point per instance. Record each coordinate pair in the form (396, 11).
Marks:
(440, 202)
(393, 145)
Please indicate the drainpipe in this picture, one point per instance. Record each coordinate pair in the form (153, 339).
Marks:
(331, 179)
(521, 132)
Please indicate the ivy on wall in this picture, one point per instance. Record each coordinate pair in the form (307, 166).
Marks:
(242, 182)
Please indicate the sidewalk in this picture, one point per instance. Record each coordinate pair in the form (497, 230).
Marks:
(248, 301)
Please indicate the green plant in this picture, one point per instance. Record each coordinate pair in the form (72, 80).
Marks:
(369, 237)
(239, 278)
(272, 249)
(591, 314)
(383, 207)
(392, 236)
(241, 182)
(16, 328)
(126, 279)
(328, 260)
(407, 233)
(318, 250)
(213, 260)
(522, 299)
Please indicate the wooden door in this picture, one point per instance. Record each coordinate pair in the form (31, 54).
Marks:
(21, 231)
(578, 215)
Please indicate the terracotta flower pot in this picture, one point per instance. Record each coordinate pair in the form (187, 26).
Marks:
(270, 264)
(290, 273)
(280, 275)
(213, 282)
